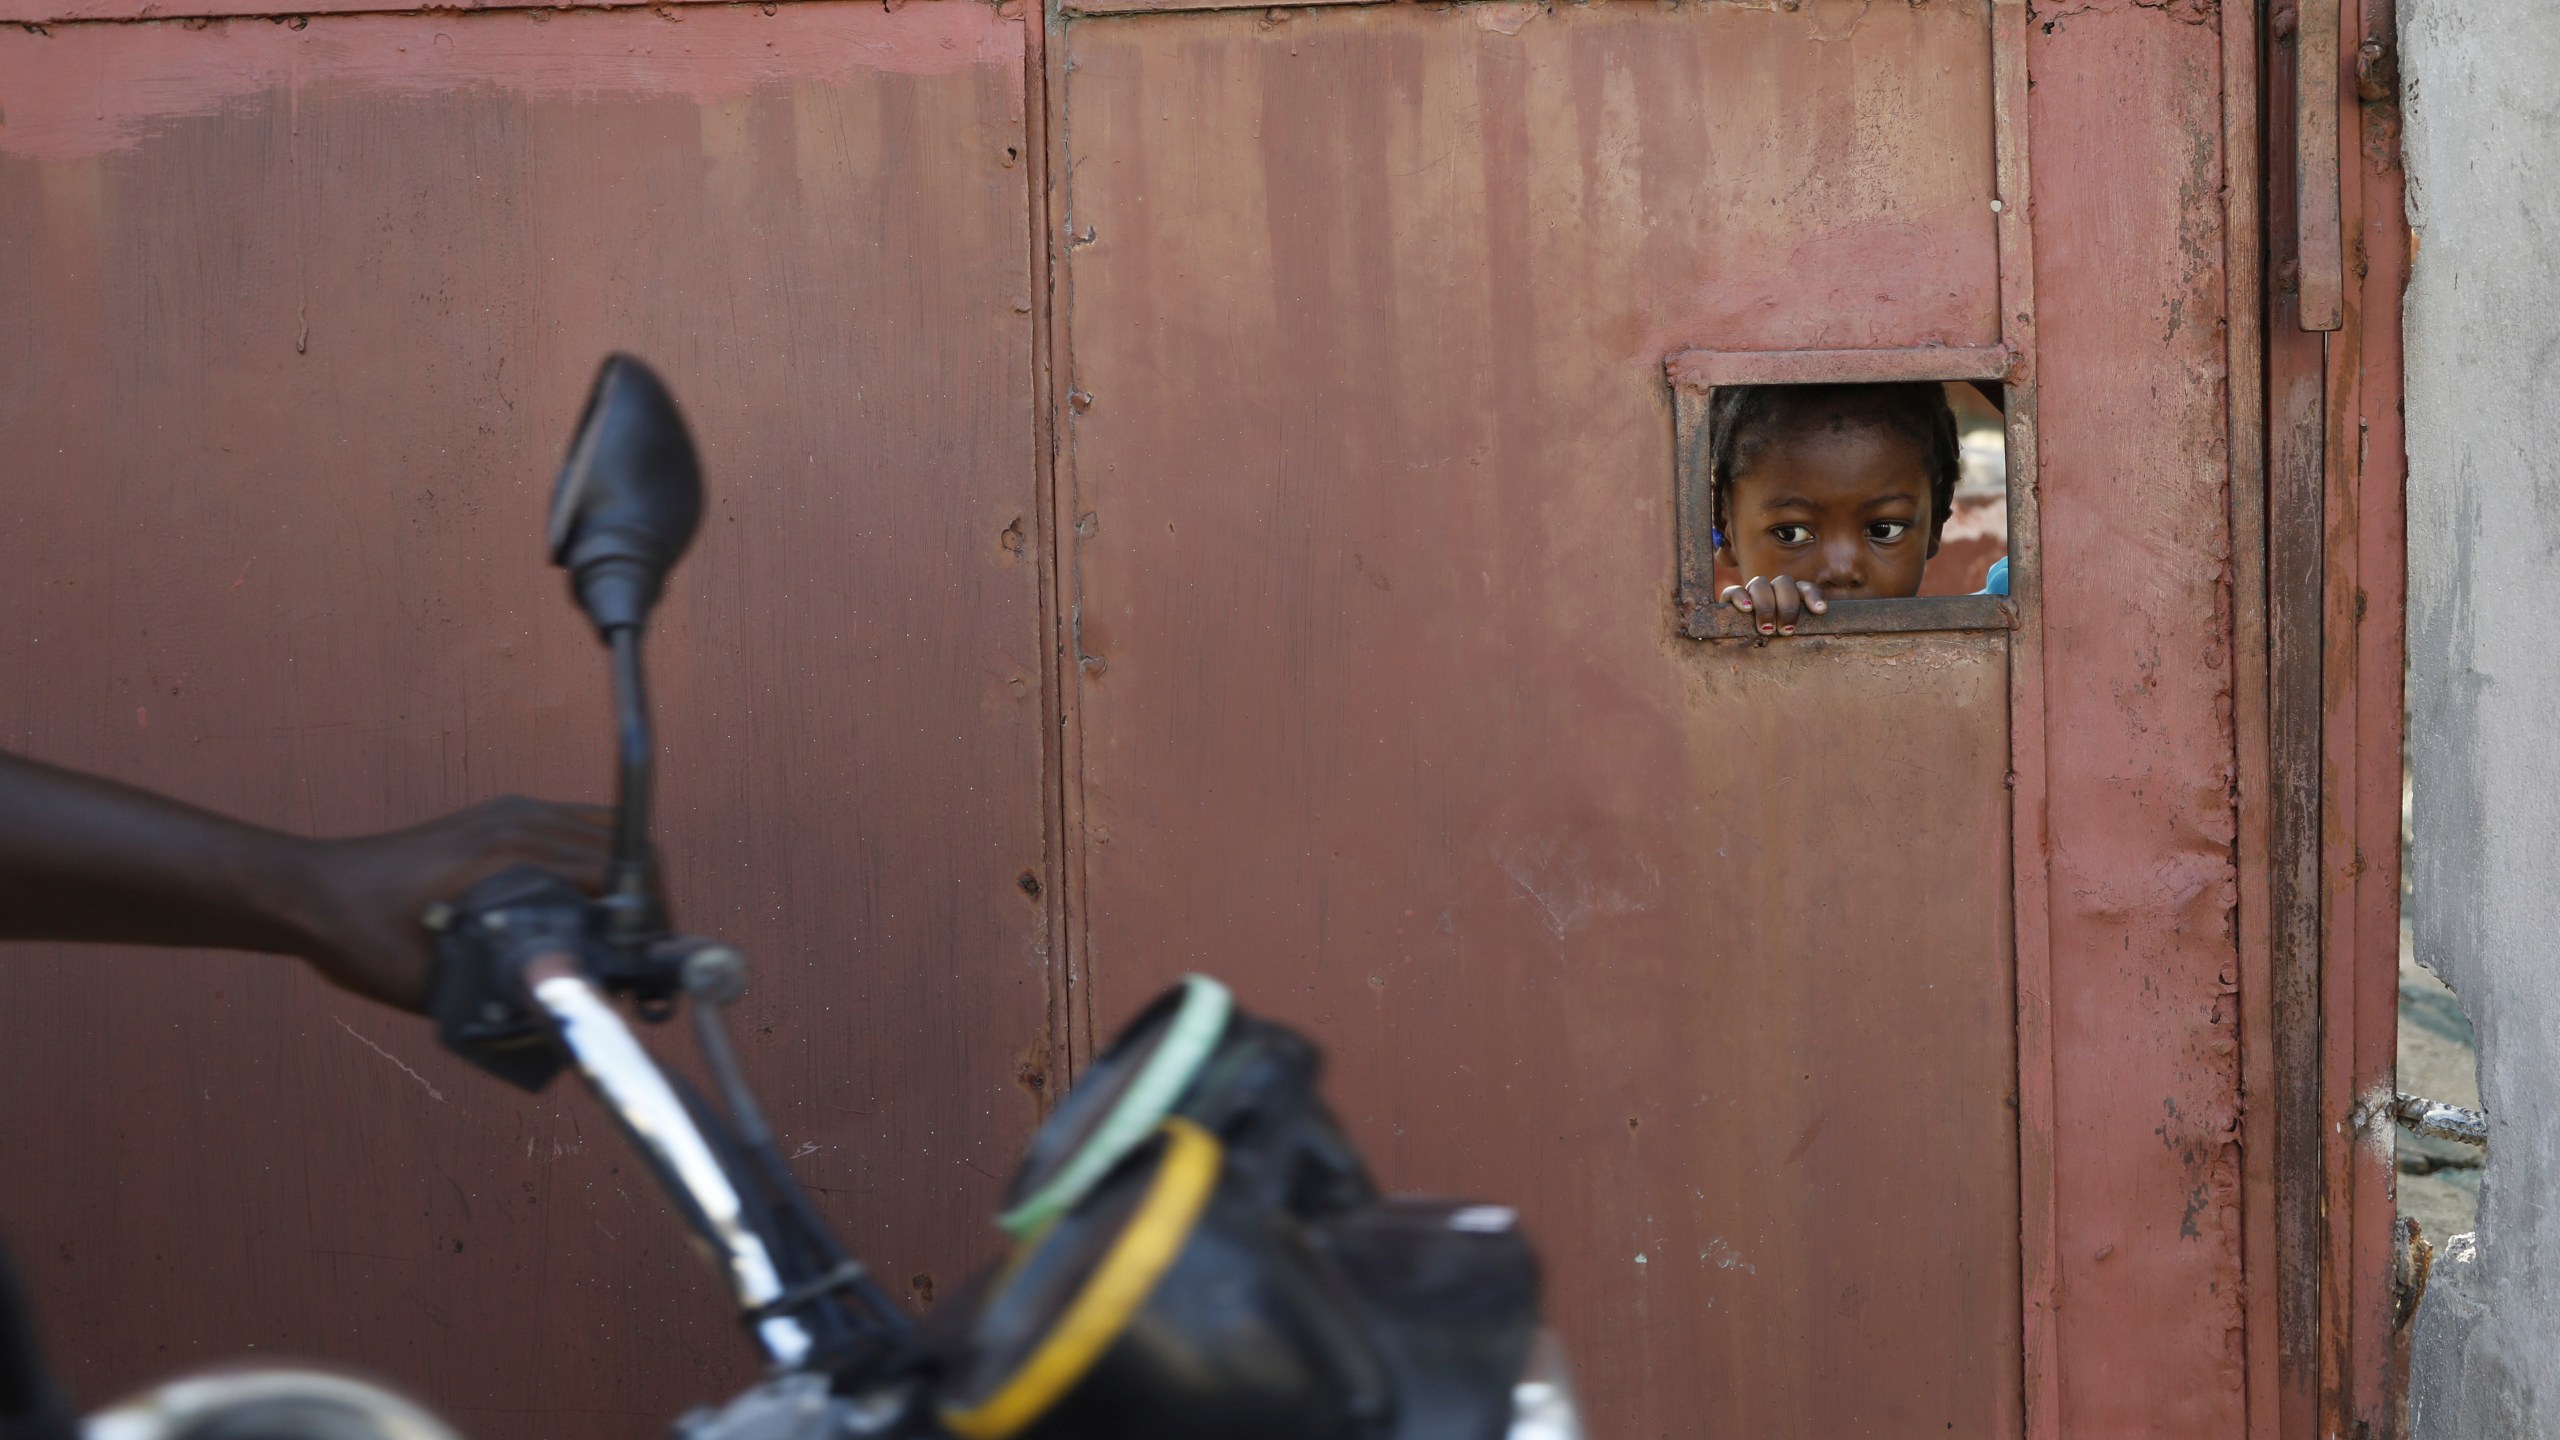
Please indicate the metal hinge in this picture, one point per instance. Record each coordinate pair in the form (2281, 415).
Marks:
(2412, 1260)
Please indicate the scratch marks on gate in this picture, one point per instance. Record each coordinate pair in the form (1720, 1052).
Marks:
(394, 1059)
(1556, 877)
(1721, 1254)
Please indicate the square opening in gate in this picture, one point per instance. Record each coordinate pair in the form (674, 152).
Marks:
(1802, 505)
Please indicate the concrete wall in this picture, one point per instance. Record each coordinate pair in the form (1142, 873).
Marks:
(2482, 93)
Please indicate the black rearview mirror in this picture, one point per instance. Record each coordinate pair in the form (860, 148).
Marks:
(628, 497)
(622, 512)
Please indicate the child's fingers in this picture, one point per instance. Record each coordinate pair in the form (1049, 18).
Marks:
(1776, 602)
(1790, 597)
(1764, 603)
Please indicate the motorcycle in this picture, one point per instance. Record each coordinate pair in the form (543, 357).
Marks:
(1198, 1249)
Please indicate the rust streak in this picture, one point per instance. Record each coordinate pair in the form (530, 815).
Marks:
(100, 89)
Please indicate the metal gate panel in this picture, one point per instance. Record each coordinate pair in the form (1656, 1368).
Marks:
(1384, 713)
(2137, 222)
(297, 316)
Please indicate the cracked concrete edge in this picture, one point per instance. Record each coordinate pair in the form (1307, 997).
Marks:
(2466, 1378)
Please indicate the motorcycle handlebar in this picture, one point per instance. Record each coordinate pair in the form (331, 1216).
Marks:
(622, 1074)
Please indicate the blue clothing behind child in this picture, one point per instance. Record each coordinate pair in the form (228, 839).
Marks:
(1997, 582)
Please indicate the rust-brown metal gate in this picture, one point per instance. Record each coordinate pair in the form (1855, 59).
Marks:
(1193, 488)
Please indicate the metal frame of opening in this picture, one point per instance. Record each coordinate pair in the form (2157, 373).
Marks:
(1695, 376)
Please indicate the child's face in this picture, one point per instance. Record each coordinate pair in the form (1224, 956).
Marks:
(1844, 509)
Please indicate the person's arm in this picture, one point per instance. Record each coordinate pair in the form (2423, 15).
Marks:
(83, 858)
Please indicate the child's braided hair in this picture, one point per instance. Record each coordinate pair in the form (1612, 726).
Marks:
(1742, 420)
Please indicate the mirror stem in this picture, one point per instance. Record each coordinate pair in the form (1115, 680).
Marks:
(629, 895)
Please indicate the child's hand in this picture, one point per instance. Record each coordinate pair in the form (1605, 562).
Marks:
(1777, 603)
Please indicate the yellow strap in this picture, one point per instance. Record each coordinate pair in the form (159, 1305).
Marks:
(1111, 1296)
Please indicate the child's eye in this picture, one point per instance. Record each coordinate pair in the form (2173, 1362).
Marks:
(1885, 532)
(1791, 534)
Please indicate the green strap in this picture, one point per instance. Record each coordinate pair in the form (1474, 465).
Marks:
(1194, 1032)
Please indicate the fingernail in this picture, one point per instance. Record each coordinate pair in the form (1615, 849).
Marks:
(1767, 629)
(1786, 629)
